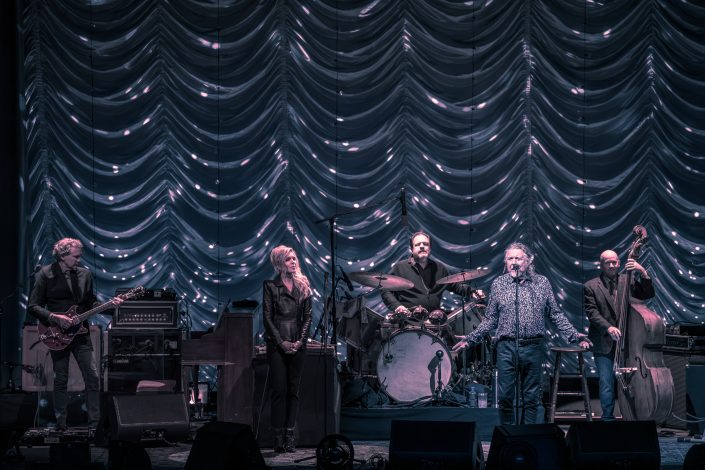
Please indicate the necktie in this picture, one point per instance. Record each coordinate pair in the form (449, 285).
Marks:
(612, 287)
(74, 286)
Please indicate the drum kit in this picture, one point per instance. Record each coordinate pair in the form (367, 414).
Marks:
(410, 355)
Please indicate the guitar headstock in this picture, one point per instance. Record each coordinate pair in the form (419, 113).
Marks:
(640, 238)
(132, 293)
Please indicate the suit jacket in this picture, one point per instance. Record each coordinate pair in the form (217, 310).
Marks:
(600, 307)
(51, 292)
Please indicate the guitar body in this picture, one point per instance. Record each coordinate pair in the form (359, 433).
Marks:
(57, 339)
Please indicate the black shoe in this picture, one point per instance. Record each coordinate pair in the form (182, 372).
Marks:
(289, 443)
(279, 440)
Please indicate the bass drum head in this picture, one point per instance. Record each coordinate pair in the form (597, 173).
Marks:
(407, 366)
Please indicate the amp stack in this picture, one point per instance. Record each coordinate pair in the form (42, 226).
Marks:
(143, 344)
(684, 355)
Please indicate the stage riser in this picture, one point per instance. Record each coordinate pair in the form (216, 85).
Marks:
(375, 424)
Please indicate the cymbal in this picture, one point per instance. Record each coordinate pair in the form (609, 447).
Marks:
(385, 281)
(461, 277)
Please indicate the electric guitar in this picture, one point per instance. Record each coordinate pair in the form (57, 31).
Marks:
(56, 338)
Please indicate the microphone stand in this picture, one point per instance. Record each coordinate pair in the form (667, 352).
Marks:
(332, 222)
(517, 372)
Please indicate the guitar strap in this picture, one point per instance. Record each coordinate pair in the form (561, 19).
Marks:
(73, 274)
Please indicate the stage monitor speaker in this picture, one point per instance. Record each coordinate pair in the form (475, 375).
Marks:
(38, 373)
(128, 456)
(614, 445)
(222, 445)
(528, 447)
(148, 416)
(433, 444)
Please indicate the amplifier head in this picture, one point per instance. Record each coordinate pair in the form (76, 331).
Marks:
(146, 313)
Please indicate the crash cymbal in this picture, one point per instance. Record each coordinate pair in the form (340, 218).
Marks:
(385, 281)
(462, 277)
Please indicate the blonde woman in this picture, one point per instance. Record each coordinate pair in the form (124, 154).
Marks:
(286, 307)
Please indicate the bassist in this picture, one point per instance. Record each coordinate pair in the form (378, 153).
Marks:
(600, 301)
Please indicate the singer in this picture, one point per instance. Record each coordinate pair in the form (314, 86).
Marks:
(286, 307)
(420, 269)
(535, 301)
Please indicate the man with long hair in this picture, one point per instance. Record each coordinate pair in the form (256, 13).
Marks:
(535, 301)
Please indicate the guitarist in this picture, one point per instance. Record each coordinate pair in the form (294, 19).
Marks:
(57, 288)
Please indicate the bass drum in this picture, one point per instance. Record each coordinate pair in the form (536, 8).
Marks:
(407, 366)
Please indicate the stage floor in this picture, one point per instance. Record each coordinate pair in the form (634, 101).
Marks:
(672, 454)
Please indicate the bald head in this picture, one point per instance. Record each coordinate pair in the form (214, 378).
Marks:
(609, 263)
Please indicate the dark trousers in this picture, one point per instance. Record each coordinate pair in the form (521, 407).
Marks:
(284, 376)
(530, 357)
(82, 350)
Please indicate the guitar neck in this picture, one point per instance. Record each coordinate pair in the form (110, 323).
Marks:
(88, 313)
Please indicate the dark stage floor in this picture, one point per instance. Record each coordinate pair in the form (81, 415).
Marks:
(672, 454)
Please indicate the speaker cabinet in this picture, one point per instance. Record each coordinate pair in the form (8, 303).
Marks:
(220, 446)
(39, 375)
(614, 444)
(315, 392)
(687, 371)
(695, 397)
(147, 417)
(528, 446)
(434, 444)
(136, 355)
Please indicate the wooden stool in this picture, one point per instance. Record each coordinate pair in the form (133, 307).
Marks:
(556, 377)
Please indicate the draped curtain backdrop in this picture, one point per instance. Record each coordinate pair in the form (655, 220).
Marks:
(183, 140)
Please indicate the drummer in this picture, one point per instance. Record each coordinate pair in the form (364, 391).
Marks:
(425, 273)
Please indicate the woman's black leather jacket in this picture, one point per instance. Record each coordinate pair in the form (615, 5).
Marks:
(286, 318)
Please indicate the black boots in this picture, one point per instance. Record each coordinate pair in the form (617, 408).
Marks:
(279, 440)
(289, 443)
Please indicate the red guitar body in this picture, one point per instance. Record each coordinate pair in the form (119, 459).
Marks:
(57, 339)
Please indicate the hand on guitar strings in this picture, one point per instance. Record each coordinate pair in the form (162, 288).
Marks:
(63, 321)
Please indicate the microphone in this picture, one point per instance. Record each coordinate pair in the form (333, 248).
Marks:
(402, 198)
(515, 267)
(346, 279)
(439, 354)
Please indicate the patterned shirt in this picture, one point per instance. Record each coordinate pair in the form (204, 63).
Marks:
(536, 300)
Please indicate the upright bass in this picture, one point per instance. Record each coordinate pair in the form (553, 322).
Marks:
(644, 384)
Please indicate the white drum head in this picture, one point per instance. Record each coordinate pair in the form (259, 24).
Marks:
(408, 364)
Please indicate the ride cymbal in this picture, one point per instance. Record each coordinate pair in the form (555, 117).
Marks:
(384, 281)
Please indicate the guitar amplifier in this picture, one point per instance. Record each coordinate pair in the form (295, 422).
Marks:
(142, 355)
(146, 314)
(684, 343)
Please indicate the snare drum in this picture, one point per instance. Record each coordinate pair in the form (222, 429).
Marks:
(407, 366)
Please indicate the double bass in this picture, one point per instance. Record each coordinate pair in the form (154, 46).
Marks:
(645, 388)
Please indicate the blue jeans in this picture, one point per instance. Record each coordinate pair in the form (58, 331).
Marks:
(607, 388)
(530, 366)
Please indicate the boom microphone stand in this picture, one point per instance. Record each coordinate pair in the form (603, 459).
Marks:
(331, 220)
